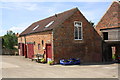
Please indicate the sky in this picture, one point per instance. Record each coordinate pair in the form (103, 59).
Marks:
(17, 16)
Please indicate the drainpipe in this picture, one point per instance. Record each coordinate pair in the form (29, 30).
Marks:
(52, 47)
(102, 51)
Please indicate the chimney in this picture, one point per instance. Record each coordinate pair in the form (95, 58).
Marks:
(17, 34)
(55, 15)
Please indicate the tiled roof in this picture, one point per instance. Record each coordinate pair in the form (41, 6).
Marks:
(114, 7)
(48, 23)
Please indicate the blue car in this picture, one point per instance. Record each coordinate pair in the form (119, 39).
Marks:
(70, 61)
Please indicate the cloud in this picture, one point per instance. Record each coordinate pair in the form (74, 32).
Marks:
(43, 10)
(2, 31)
(57, 0)
(20, 5)
(20, 27)
(16, 29)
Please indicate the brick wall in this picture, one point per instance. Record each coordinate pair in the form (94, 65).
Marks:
(111, 19)
(88, 49)
(21, 39)
(37, 38)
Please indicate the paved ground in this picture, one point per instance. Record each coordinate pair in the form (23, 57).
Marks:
(20, 67)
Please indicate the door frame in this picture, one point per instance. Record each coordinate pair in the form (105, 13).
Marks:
(25, 50)
(21, 49)
(49, 44)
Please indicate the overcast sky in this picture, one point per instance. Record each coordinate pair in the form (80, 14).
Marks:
(17, 16)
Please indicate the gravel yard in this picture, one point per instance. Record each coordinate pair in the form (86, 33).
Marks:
(20, 67)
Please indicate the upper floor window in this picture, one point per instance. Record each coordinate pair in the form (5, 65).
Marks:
(78, 30)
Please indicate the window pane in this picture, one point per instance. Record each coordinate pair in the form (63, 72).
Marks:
(78, 24)
(80, 33)
(76, 33)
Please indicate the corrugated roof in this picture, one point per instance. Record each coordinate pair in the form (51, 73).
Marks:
(57, 18)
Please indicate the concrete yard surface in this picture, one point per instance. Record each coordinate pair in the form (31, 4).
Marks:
(20, 67)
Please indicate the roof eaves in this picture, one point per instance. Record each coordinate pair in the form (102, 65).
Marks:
(35, 32)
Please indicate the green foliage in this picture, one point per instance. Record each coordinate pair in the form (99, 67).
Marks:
(50, 62)
(42, 60)
(9, 40)
(113, 57)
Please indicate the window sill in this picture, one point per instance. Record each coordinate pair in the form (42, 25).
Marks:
(78, 39)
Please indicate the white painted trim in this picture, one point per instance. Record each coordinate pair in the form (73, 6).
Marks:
(78, 32)
(77, 39)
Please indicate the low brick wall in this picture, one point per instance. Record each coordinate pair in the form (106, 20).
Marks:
(9, 52)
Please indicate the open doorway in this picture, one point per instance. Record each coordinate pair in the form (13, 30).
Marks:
(105, 35)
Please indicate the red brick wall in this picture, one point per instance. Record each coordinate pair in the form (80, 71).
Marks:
(21, 39)
(110, 19)
(37, 38)
(88, 49)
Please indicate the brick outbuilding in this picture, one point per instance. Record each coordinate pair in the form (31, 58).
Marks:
(64, 35)
(109, 29)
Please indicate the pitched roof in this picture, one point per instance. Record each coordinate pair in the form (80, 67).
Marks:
(114, 7)
(49, 23)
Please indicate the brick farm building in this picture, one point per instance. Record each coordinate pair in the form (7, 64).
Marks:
(109, 29)
(65, 35)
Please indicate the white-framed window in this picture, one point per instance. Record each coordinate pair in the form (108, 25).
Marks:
(77, 30)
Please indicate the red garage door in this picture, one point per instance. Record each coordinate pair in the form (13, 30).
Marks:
(30, 50)
(48, 51)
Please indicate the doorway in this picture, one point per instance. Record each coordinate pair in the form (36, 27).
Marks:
(21, 49)
(30, 50)
(105, 35)
(48, 52)
(25, 50)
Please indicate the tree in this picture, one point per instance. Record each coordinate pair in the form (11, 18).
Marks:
(9, 40)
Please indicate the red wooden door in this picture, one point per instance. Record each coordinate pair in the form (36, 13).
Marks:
(25, 50)
(30, 50)
(48, 51)
(21, 49)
